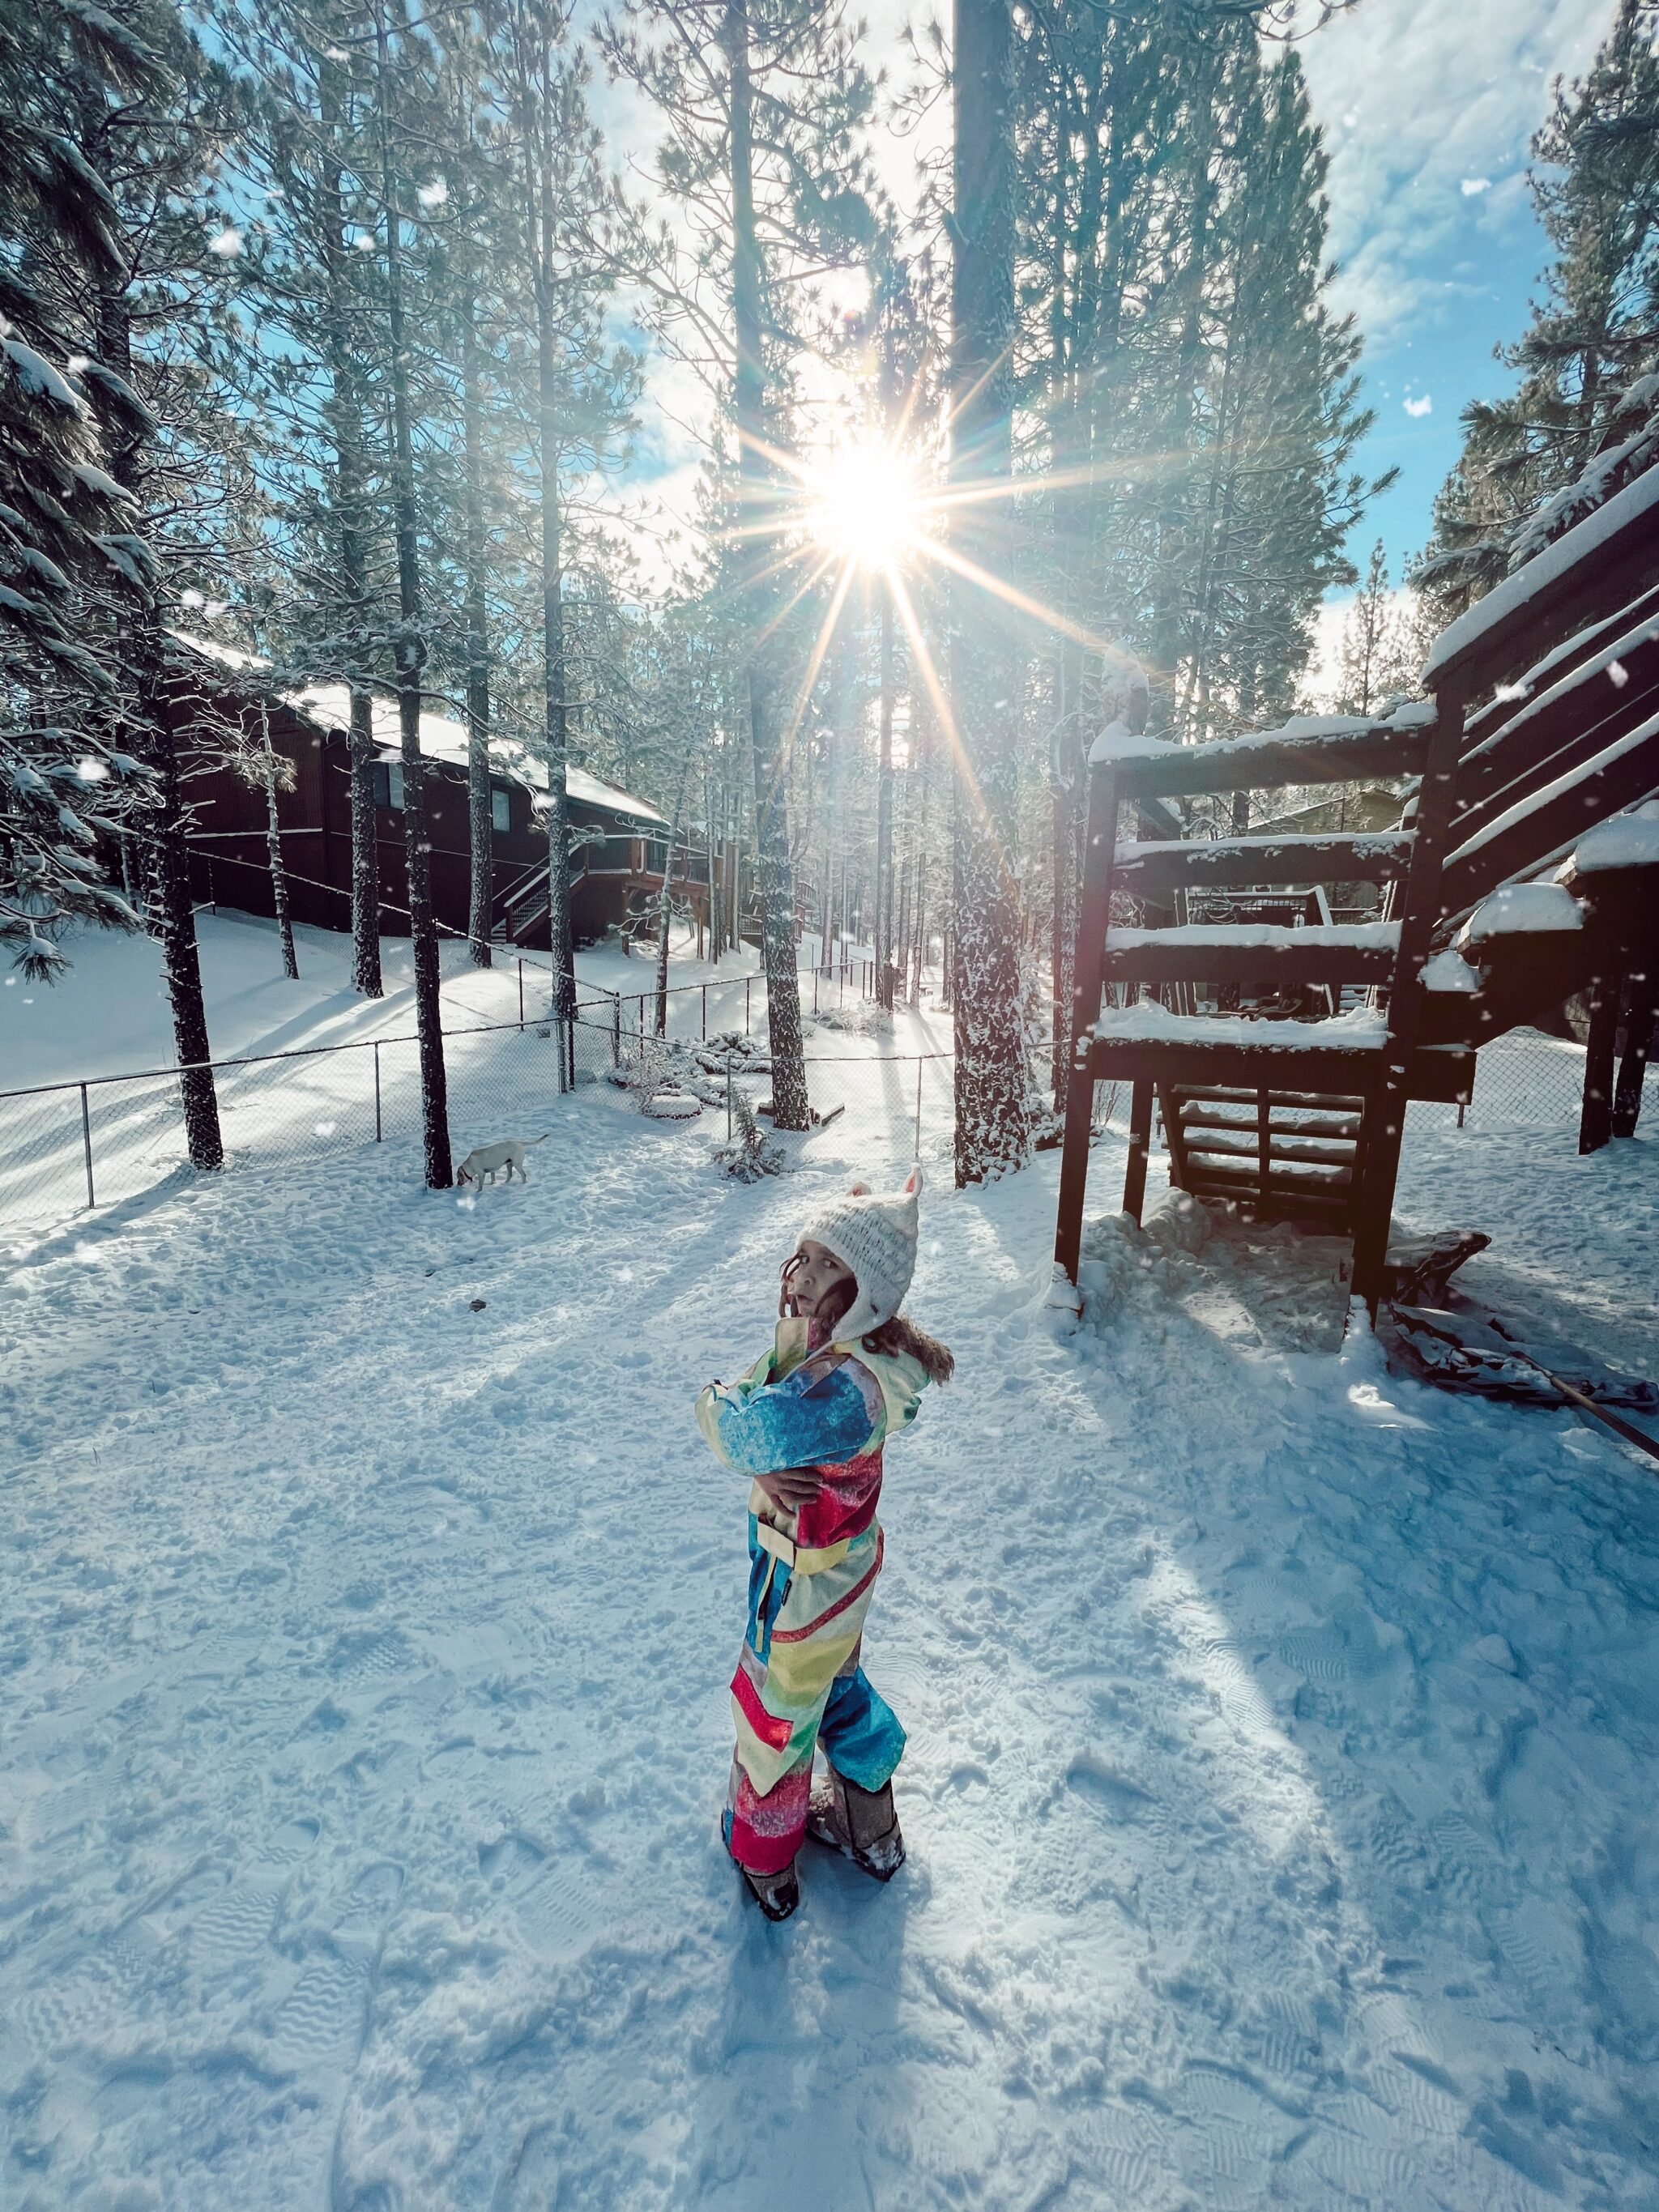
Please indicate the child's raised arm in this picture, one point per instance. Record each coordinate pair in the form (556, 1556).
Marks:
(811, 1419)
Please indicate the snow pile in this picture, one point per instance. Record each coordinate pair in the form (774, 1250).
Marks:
(1624, 841)
(1359, 1029)
(1523, 909)
(1448, 971)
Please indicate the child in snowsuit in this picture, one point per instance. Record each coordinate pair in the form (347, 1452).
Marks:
(808, 1423)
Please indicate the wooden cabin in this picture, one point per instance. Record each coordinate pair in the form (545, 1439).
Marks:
(619, 841)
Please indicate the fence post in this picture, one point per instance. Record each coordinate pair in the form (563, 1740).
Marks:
(615, 1031)
(521, 996)
(745, 1006)
(705, 1013)
(728, 1097)
(917, 1153)
(815, 990)
(85, 1139)
(377, 1091)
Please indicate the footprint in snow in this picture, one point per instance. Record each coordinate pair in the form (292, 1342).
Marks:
(556, 1896)
(324, 2018)
(236, 1925)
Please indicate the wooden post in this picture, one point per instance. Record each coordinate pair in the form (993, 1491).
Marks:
(1640, 1008)
(1088, 973)
(85, 1139)
(1140, 1144)
(1595, 1116)
(1264, 1126)
(377, 1091)
(1419, 911)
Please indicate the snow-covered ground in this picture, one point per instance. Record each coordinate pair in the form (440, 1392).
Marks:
(1279, 1792)
(321, 1073)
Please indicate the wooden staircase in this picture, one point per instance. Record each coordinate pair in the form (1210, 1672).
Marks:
(1514, 757)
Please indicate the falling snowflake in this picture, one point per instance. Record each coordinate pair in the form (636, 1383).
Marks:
(229, 243)
(326, 1129)
(364, 241)
(433, 195)
(1420, 406)
(91, 769)
(1473, 186)
(1619, 673)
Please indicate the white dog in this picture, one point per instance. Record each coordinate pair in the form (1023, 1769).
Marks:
(485, 1161)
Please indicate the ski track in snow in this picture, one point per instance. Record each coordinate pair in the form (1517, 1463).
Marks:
(363, 1661)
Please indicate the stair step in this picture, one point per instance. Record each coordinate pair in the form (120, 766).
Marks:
(1308, 749)
(1316, 1100)
(1377, 856)
(1445, 1073)
(1346, 1125)
(1256, 951)
(1294, 1148)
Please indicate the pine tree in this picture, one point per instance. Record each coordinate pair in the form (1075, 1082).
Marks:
(119, 121)
(1594, 341)
(985, 665)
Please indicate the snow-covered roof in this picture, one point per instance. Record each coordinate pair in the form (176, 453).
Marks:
(442, 738)
(1116, 742)
(1546, 566)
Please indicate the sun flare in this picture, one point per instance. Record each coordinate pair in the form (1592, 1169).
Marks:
(867, 507)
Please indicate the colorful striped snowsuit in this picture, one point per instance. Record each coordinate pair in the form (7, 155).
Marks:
(811, 1573)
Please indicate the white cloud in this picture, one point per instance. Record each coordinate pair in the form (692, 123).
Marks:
(1473, 186)
(1438, 96)
(1420, 406)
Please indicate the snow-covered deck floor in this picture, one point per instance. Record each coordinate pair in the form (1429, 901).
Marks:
(1279, 1792)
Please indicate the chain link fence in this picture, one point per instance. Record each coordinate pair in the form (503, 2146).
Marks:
(65, 1147)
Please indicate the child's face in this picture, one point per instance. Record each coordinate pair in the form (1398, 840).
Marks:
(810, 1276)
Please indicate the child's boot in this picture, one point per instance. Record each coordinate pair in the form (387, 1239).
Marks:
(860, 1824)
(776, 1894)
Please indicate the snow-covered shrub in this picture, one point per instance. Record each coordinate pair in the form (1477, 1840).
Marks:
(750, 1153)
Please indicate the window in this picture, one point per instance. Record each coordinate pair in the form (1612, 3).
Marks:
(501, 806)
(388, 780)
(610, 856)
(656, 856)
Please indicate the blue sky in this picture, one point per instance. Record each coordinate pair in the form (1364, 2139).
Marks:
(1428, 106)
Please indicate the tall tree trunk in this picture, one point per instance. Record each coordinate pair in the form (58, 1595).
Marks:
(480, 807)
(884, 817)
(352, 489)
(173, 914)
(768, 682)
(274, 853)
(922, 713)
(1067, 777)
(365, 850)
(990, 1072)
(410, 660)
(556, 729)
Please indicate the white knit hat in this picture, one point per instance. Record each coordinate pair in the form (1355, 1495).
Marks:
(876, 1237)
